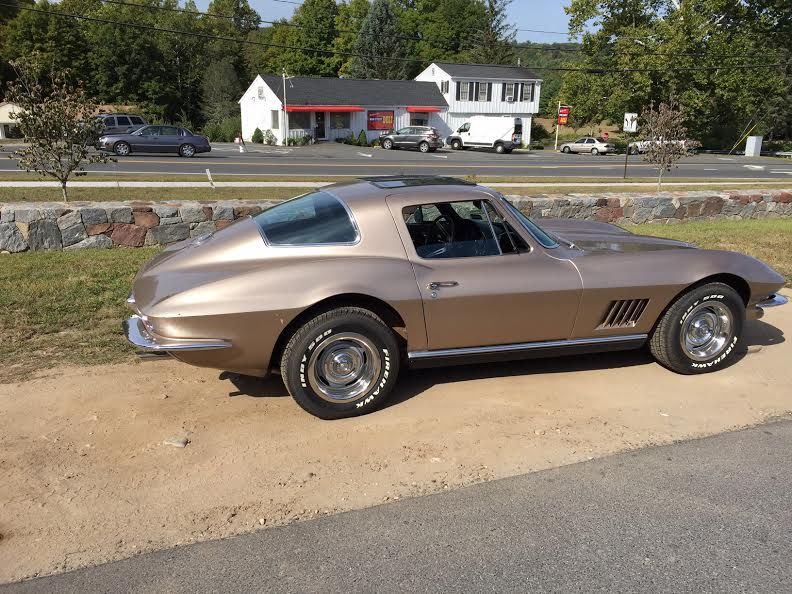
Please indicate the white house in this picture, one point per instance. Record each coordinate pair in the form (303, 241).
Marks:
(330, 108)
(7, 122)
(485, 89)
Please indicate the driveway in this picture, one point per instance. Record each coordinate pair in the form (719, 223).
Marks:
(712, 515)
(90, 475)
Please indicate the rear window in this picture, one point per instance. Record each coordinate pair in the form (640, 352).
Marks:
(314, 219)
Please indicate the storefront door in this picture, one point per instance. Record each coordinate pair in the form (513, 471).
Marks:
(319, 129)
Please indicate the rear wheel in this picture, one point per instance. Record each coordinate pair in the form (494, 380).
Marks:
(342, 363)
(387, 144)
(701, 330)
(424, 147)
(187, 150)
(500, 149)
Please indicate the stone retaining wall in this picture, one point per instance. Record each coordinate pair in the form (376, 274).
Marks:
(79, 225)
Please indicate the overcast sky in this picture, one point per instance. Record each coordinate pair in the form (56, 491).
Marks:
(544, 15)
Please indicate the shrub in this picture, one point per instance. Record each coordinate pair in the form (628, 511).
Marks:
(376, 142)
(538, 132)
(258, 136)
(225, 130)
(269, 138)
(362, 140)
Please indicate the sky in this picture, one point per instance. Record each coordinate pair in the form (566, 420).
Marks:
(543, 15)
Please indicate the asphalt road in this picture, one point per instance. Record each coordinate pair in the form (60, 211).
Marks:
(328, 159)
(707, 515)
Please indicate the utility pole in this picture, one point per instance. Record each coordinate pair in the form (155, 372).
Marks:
(285, 113)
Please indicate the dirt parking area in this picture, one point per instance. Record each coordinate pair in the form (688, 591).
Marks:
(87, 475)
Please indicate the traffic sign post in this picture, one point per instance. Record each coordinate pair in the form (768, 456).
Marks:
(630, 126)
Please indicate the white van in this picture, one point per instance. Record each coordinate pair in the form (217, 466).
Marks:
(502, 133)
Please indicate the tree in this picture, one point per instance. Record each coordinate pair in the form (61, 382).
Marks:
(494, 43)
(381, 44)
(315, 28)
(665, 137)
(221, 91)
(348, 23)
(57, 121)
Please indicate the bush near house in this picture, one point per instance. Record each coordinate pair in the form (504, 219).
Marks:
(258, 136)
(269, 138)
(225, 130)
(362, 139)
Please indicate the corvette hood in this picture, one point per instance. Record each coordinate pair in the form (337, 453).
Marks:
(594, 236)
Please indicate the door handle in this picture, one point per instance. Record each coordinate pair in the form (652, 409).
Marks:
(433, 286)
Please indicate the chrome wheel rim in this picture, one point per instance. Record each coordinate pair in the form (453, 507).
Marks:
(387, 144)
(706, 331)
(188, 151)
(122, 149)
(424, 147)
(343, 367)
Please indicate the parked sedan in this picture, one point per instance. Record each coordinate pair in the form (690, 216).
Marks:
(155, 139)
(338, 289)
(424, 138)
(595, 146)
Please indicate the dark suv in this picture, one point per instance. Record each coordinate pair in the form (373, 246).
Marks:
(425, 138)
(120, 123)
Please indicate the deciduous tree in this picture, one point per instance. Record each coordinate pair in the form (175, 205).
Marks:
(665, 137)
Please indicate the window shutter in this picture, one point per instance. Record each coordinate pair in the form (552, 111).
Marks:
(476, 93)
(459, 90)
(489, 91)
(520, 98)
(503, 91)
(533, 90)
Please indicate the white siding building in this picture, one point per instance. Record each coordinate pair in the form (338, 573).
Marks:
(330, 108)
(7, 122)
(482, 89)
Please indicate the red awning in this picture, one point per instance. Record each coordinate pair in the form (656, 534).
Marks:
(332, 108)
(422, 109)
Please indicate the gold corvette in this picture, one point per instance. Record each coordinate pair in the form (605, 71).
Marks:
(338, 289)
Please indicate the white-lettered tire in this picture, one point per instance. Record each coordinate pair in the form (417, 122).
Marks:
(342, 363)
(701, 331)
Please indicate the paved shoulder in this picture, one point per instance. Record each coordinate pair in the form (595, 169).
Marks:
(707, 515)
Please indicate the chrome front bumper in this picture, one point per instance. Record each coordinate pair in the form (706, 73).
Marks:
(756, 311)
(137, 333)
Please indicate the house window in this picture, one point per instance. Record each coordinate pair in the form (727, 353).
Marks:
(482, 94)
(340, 121)
(261, 92)
(444, 87)
(300, 120)
(275, 123)
(509, 92)
(419, 118)
(465, 92)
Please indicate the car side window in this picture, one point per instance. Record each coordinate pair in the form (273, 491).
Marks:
(318, 218)
(136, 121)
(509, 240)
(589, 141)
(123, 121)
(109, 122)
(451, 229)
(464, 127)
(169, 131)
(403, 131)
(150, 131)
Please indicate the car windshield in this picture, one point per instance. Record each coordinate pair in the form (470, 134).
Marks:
(542, 236)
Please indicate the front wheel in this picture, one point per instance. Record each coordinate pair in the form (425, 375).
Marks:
(122, 149)
(701, 330)
(387, 144)
(566, 150)
(456, 144)
(342, 363)
(595, 151)
(187, 150)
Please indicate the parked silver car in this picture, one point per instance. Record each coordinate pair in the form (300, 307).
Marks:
(588, 144)
(155, 139)
(425, 138)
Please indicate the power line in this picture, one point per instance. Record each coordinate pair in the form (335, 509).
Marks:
(371, 56)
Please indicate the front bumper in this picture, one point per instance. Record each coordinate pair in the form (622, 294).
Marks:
(136, 332)
(756, 312)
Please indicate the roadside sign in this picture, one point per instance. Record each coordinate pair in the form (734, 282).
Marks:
(563, 115)
(605, 136)
(631, 122)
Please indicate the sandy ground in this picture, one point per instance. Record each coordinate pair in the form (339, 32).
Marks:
(87, 477)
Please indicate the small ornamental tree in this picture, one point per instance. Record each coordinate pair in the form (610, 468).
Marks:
(57, 121)
(665, 137)
(258, 136)
(269, 138)
(362, 139)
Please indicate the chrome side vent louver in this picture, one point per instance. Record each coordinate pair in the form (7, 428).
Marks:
(623, 313)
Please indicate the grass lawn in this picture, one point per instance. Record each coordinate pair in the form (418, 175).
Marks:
(64, 307)
(147, 194)
(67, 307)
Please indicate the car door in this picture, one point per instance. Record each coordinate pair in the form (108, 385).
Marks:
(578, 145)
(464, 133)
(479, 286)
(145, 140)
(169, 140)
